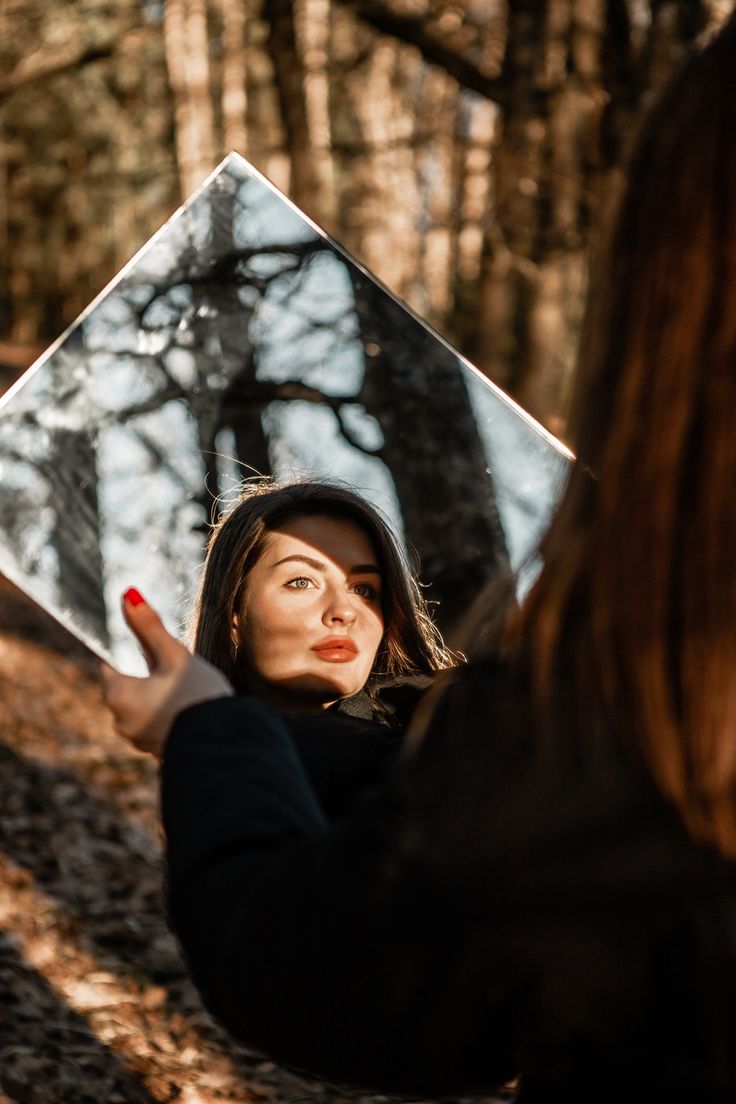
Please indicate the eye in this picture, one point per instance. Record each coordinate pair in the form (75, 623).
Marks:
(365, 590)
(301, 582)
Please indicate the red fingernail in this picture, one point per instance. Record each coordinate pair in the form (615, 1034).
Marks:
(134, 597)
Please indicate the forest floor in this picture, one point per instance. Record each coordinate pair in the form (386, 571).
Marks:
(95, 1003)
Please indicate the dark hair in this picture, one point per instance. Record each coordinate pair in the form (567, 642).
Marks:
(411, 643)
(634, 614)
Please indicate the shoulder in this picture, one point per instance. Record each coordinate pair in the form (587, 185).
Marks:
(388, 703)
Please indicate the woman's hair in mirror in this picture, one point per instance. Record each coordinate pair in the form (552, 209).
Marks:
(632, 621)
(411, 643)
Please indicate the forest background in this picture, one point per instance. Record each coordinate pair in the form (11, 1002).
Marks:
(466, 152)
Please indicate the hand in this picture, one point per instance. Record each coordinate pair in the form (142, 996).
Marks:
(144, 709)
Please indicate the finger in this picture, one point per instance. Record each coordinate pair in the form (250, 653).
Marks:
(129, 602)
(159, 646)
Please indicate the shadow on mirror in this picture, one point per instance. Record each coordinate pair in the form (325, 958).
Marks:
(241, 339)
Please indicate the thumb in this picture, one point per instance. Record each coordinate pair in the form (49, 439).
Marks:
(159, 646)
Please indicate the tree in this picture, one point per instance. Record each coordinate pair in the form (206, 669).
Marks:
(464, 152)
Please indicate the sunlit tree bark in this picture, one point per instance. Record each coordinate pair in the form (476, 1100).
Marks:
(290, 79)
(187, 59)
(312, 26)
(234, 64)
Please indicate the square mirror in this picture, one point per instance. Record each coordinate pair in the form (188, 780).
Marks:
(242, 339)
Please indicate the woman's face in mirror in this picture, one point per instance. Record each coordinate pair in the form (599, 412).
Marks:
(312, 618)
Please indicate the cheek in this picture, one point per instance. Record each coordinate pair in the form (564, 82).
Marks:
(266, 633)
(262, 620)
(277, 629)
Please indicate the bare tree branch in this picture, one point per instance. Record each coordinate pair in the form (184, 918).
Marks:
(412, 30)
(151, 405)
(261, 392)
(43, 64)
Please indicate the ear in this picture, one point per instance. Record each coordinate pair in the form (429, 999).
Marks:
(235, 637)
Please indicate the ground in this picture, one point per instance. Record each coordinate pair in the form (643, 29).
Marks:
(95, 1003)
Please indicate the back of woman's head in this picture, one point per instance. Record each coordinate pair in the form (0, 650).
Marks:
(638, 593)
(411, 644)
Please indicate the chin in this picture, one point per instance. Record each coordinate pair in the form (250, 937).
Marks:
(329, 691)
(318, 689)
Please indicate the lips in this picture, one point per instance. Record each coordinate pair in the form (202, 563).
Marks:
(336, 649)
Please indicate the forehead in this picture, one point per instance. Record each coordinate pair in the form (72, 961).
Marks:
(339, 540)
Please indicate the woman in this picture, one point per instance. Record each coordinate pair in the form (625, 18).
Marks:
(307, 602)
(261, 588)
(550, 887)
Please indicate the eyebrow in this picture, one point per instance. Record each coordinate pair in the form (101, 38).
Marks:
(318, 565)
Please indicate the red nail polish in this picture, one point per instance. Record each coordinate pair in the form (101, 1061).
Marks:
(134, 597)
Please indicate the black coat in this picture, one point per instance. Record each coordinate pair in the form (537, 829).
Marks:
(352, 747)
(506, 904)
(343, 756)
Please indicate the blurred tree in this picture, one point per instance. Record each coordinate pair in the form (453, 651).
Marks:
(462, 150)
(187, 61)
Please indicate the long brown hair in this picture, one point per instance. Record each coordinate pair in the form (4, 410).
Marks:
(635, 610)
(411, 643)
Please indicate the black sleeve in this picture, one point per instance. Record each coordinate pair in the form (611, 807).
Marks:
(334, 950)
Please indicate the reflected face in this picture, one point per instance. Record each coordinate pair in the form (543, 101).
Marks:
(312, 619)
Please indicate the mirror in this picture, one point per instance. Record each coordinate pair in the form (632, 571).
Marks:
(241, 339)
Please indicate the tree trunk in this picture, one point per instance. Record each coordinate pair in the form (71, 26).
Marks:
(234, 93)
(227, 327)
(312, 26)
(290, 79)
(76, 533)
(187, 60)
(414, 388)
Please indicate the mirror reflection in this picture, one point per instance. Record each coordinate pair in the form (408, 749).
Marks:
(240, 340)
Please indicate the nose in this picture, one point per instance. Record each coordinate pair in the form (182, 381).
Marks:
(339, 609)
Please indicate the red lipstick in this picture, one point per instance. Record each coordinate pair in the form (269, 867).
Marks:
(336, 649)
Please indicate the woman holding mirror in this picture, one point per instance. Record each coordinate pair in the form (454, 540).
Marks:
(549, 887)
(307, 603)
